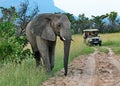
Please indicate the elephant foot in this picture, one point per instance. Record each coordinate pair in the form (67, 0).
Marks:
(38, 65)
(48, 70)
(52, 66)
(38, 59)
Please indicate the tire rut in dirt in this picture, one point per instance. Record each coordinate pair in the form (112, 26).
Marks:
(88, 77)
(106, 70)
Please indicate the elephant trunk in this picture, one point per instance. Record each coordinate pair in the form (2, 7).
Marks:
(66, 55)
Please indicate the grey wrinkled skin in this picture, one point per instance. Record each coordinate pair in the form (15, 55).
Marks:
(42, 33)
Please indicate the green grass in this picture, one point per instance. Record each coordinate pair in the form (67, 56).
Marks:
(112, 41)
(103, 49)
(26, 74)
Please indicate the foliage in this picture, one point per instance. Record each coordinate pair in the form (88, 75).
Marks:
(8, 14)
(83, 22)
(112, 16)
(11, 46)
(99, 23)
(25, 15)
(106, 23)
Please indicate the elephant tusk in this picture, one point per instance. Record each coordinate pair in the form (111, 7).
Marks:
(63, 38)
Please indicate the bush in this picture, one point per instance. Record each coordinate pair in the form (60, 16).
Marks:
(11, 46)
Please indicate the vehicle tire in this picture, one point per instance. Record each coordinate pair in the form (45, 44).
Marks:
(99, 44)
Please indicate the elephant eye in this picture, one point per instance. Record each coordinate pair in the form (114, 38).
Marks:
(59, 25)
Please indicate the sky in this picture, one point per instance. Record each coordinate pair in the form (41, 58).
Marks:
(88, 7)
(76, 7)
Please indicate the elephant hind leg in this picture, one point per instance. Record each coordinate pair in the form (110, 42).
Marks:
(37, 58)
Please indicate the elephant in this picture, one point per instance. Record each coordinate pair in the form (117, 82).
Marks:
(42, 32)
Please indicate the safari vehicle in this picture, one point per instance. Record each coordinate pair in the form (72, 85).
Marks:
(91, 37)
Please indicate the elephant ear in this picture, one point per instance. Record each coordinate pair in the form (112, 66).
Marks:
(48, 34)
(41, 27)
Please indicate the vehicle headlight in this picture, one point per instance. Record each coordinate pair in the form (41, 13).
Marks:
(90, 40)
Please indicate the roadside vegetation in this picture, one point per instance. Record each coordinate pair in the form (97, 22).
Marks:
(112, 41)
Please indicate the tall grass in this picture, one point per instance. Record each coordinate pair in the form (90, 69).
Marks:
(24, 74)
(112, 40)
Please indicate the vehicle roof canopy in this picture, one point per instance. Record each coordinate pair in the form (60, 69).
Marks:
(90, 30)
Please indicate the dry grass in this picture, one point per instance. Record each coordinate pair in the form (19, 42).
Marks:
(110, 37)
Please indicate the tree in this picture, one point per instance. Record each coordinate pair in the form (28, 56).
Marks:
(11, 46)
(98, 22)
(8, 14)
(25, 16)
(82, 23)
(112, 16)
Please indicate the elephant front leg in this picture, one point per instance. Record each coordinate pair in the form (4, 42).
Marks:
(37, 58)
(52, 53)
(46, 63)
(44, 51)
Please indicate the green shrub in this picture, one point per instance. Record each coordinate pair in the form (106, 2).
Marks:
(11, 46)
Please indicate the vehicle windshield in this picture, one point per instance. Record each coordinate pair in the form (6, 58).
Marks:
(90, 33)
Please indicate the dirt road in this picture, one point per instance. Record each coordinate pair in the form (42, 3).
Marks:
(96, 69)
